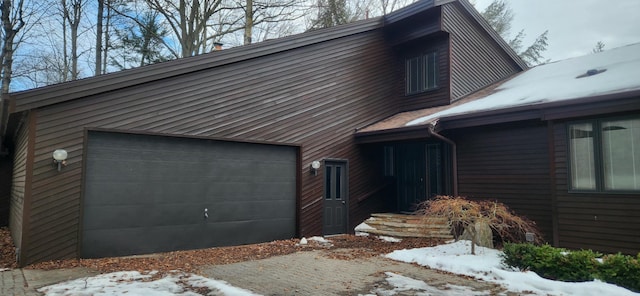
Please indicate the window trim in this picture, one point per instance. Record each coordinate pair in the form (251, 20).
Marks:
(424, 87)
(598, 156)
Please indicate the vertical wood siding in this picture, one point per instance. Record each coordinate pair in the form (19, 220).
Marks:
(476, 59)
(508, 163)
(314, 96)
(600, 221)
(18, 184)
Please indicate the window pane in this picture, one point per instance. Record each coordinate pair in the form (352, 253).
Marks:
(582, 156)
(413, 75)
(338, 182)
(621, 154)
(327, 180)
(432, 74)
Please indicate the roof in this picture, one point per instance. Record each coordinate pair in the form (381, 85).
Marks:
(559, 83)
(53, 94)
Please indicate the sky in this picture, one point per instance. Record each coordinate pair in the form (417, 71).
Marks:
(452, 257)
(575, 26)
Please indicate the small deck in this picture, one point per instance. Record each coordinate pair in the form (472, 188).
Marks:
(400, 225)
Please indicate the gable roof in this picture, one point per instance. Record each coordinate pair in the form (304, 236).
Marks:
(57, 93)
(39, 97)
(562, 83)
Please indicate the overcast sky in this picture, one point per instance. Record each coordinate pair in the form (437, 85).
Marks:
(575, 26)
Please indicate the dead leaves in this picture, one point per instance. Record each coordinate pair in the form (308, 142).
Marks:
(346, 247)
(7, 249)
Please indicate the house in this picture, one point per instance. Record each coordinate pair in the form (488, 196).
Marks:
(308, 135)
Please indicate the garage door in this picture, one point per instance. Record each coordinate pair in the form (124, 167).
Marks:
(146, 194)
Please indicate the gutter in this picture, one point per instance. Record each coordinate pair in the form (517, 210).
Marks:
(454, 157)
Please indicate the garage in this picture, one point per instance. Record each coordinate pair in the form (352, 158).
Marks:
(149, 193)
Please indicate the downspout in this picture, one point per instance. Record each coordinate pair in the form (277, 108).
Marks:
(454, 156)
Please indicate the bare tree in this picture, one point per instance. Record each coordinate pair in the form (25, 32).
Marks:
(248, 21)
(99, 30)
(13, 20)
(72, 14)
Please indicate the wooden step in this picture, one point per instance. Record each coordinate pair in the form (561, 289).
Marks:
(401, 225)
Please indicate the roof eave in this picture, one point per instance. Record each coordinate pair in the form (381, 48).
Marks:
(586, 106)
(62, 92)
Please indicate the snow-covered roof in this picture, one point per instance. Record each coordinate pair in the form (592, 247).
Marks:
(618, 72)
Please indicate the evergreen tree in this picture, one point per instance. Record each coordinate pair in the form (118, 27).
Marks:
(599, 47)
(144, 39)
(500, 16)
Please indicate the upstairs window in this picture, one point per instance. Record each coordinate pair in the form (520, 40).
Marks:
(421, 73)
(604, 155)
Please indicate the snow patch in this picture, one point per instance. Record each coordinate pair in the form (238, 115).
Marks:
(363, 227)
(135, 283)
(389, 239)
(4, 269)
(487, 265)
(402, 283)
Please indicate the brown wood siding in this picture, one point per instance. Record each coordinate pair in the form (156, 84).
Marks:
(86, 87)
(18, 184)
(605, 222)
(6, 172)
(314, 96)
(476, 59)
(508, 163)
(440, 95)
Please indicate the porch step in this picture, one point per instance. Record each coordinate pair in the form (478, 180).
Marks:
(400, 225)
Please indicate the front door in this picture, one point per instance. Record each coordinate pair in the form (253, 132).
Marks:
(336, 199)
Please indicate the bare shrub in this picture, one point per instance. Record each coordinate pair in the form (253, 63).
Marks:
(463, 213)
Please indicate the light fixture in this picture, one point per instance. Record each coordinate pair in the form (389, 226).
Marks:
(315, 165)
(60, 158)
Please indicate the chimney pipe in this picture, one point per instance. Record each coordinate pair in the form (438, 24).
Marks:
(217, 46)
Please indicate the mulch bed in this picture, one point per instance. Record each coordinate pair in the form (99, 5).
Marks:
(7, 250)
(345, 247)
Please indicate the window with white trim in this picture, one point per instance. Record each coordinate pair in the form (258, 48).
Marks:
(604, 155)
(421, 73)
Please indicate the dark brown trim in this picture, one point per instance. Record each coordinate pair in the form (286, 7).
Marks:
(85, 144)
(23, 256)
(552, 182)
(403, 133)
(148, 133)
(299, 170)
(468, 8)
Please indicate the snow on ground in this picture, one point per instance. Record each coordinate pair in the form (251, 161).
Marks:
(402, 284)
(389, 239)
(557, 81)
(133, 283)
(4, 269)
(487, 265)
(362, 228)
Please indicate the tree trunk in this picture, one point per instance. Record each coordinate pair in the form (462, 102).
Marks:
(248, 25)
(99, 37)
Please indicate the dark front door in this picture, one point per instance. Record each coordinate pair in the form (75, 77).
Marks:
(336, 199)
(411, 176)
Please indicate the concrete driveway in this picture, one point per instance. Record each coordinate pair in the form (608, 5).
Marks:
(327, 272)
(317, 272)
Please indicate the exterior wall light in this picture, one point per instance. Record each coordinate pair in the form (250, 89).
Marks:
(60, 158)
(315, 165)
